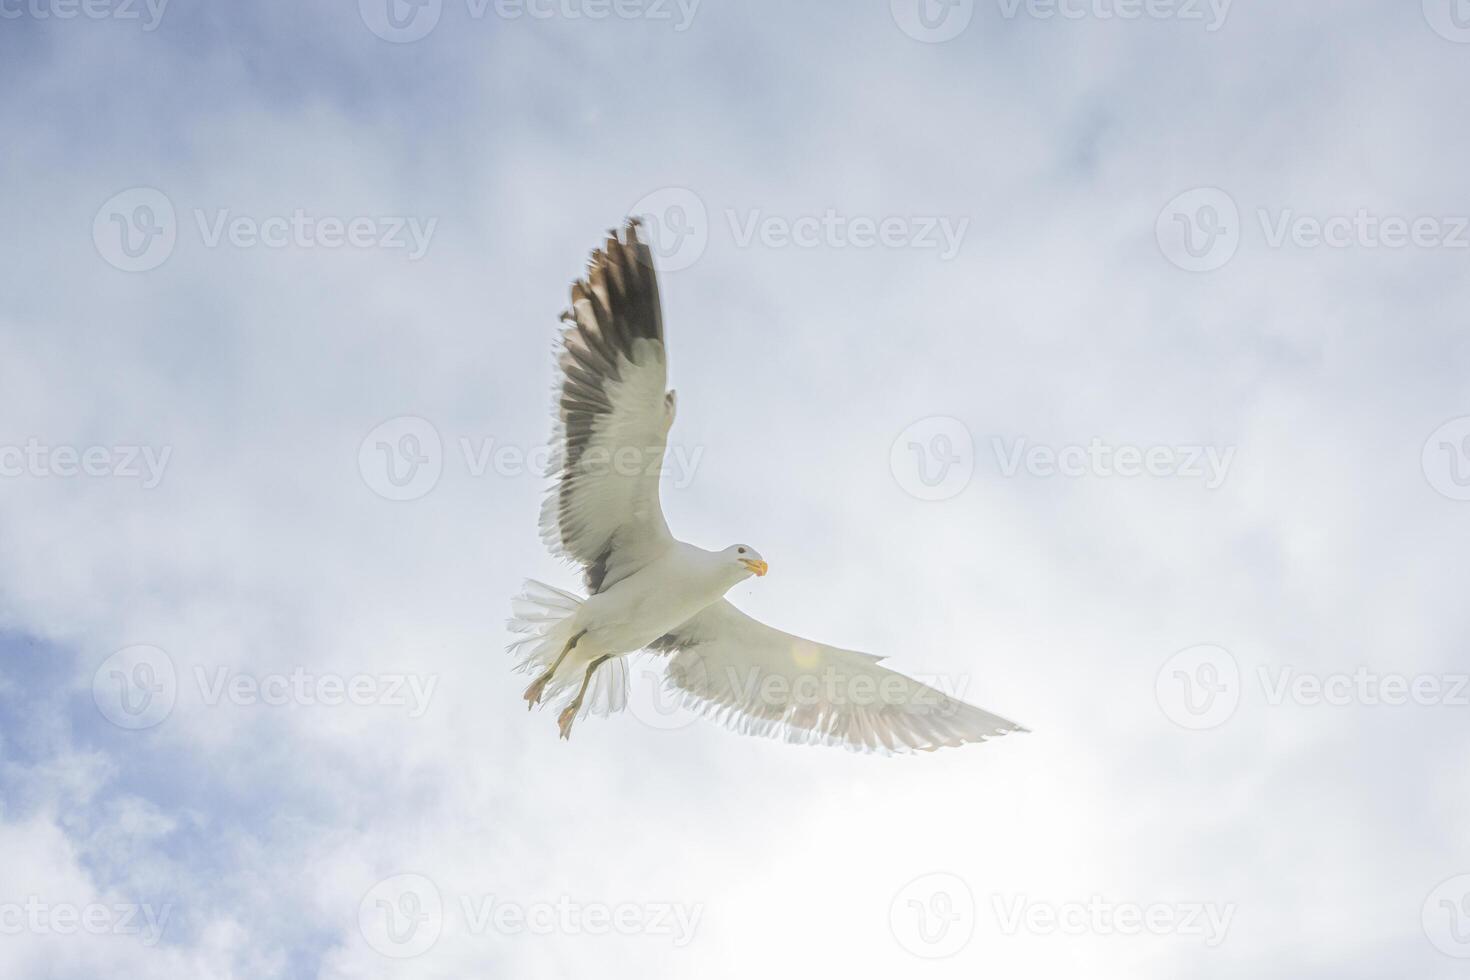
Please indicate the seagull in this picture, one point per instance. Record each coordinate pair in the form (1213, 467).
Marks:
(649, 591)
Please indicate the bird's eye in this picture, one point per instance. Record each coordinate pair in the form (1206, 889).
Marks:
(742, 551)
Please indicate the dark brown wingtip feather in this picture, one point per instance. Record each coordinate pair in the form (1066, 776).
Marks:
(622, 273)
(636, 247)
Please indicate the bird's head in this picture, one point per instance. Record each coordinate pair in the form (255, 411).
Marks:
(746, 559)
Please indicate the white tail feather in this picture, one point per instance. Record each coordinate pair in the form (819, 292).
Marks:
(543, 616)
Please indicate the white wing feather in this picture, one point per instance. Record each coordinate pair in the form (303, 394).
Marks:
(612, 419)
(759, 680)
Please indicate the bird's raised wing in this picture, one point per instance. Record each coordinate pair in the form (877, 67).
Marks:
(612, 419)
(759, 680)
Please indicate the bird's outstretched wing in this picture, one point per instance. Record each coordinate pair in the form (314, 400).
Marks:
(759, 680)
(612, 418)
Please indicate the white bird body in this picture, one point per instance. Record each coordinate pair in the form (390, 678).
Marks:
(648, 590)
(664, 594)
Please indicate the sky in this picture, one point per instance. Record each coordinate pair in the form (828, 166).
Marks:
(1102, 360)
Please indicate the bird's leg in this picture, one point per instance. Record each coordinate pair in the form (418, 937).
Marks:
(570, 714)
(538, 686)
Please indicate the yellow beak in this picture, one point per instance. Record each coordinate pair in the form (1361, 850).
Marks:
(756, 565)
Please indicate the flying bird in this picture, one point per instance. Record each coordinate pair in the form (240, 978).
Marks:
(648, 590)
